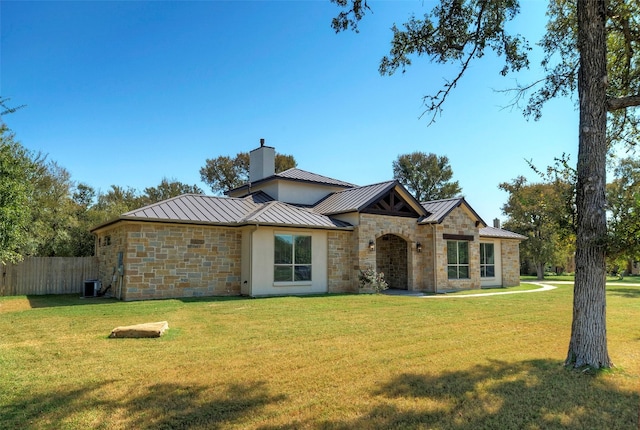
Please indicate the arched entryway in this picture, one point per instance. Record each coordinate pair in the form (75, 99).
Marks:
(391, 259)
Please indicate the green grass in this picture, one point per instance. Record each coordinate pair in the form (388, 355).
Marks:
(324, 362)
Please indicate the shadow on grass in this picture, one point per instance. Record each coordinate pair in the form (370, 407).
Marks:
(206, 299)
(159, 406)
(628, 292)
(537, 394)
(54, 300)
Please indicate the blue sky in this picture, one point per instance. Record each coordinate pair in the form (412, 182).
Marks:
(129, 92)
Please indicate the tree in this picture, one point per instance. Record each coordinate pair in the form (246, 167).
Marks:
(168, 189)
(623, 203)
(533, 212)
(16, 189)
(427, 176)
(224, 173)
(115, 202)
(579, 36)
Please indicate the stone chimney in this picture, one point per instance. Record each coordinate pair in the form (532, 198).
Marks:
(262, 162)
(496, 223)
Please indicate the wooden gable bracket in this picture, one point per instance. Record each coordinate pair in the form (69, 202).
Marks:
(391, 203)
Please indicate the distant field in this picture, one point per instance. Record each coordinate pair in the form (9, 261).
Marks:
(324, 362)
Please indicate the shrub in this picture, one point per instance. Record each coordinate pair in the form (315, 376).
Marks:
(370, 279)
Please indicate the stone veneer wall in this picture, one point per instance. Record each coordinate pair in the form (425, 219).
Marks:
(109, 243)
(510, 254)
(340, 262)
(371, 227)
(391, 259)
(170, 260)
(458, 222)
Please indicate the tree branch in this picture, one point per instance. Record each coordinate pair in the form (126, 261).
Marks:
(615, 103)
(438, 100)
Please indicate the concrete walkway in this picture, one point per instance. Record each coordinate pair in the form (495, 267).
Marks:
(544, 286)
(419, 294)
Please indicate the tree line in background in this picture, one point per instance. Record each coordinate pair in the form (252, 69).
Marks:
(43, 212)
(545, 212)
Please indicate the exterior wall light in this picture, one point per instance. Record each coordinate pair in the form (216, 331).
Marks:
(419, 247)
(372, 245)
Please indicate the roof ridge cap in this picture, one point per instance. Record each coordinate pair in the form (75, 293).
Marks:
(316, 174)
(443, 200)
(364, 186)
(261, 208)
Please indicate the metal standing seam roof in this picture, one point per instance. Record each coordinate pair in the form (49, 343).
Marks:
(255, 208)
(303, 175)
(279, 213)
(197, 208)
(500, 233)
(439, 209)
(352, 199)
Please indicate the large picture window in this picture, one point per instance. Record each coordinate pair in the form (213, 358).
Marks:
(292, 258)
(458, 259)
(487, 261)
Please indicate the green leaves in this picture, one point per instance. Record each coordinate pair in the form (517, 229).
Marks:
(457, 31)
(623, 209)
(224, 173)
(427, 176)
(16, 190)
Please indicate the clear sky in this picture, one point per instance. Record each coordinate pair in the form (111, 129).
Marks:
(129, 92)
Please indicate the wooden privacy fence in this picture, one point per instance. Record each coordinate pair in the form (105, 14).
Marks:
(47, 275)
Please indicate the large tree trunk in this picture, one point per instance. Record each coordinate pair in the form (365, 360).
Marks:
(540, 271)
(588, 345)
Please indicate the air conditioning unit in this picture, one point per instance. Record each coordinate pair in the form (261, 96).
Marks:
(91, 288)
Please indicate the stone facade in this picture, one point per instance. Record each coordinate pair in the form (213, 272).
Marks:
(391, 259)
(109, 244)
(172, 260)
(405, 229)
(340, 261)
(458, 223)
(510, 254)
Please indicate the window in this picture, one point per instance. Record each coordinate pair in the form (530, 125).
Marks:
(292, 258)
(487, 261)
(458, 259)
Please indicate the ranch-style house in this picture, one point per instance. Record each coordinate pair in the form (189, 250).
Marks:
(297, 232)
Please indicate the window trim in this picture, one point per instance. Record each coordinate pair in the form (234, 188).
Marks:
(293, 282)
(485, 265)
(457, 264)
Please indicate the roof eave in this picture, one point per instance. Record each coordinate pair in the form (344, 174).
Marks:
(216, 224)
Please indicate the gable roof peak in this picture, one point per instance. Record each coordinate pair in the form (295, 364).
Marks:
(357, 199)
(450, 199)
(439, 209)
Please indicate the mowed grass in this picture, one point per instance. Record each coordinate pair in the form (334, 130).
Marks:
(326, 362)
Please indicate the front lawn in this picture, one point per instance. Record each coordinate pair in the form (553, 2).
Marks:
(325, 362)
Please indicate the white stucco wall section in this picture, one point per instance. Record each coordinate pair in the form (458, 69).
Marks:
(245, 263)
(261, 266)
(303, 193)
(495, 281)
